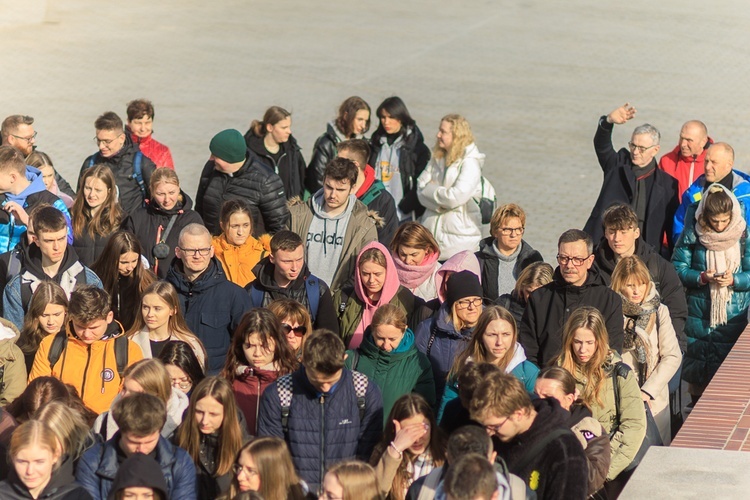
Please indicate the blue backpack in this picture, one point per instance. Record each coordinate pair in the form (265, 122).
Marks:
(312, 288)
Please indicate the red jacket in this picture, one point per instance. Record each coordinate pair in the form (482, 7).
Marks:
(154, 151)
(247, 390)
(681, 167)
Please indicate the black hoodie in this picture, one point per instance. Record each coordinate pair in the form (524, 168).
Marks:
(325, 316)
(290, 165)
(122, 164)
(139, 470)
(550, 306)
(560, 470)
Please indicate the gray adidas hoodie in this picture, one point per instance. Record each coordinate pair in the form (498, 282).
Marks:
(325, 238)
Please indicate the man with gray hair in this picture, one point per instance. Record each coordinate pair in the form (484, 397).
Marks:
(631, 176)
(212, 305)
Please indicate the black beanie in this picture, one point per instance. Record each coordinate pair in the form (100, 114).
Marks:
(461, 285)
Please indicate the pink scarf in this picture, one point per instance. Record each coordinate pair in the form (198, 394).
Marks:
(390, 288)
(413, 276)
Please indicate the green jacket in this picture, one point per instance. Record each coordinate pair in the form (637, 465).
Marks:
(626, 441)
(349, 309)
(401, 371)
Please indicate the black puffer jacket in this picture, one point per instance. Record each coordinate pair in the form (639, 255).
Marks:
(488, 263)
(61, 486)
(415, 156)
(550, 306)
(89, 248)
(325, 316)
(147, 221)
(323, 152)
(290, 166)
(255, 183)
(122, 166)
(664, 276)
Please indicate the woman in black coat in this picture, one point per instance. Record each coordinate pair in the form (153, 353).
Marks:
(152, 222)
(273, 142)
(399, 155)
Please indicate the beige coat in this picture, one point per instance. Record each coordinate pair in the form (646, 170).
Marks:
(665, 360)
(12, 363)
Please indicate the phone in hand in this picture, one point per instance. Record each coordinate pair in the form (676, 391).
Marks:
(719, 275)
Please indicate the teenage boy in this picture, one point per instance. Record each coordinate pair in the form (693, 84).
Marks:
(21, 189)
(335, 225)
(48, 258)
(325, 412)
(91, 353)
(369, 190)
(140, 418)
(532, 437)
(284, 275)
(141, 127)
(132, 169)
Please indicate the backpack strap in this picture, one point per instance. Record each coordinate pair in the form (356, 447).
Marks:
(312, 288)
(121, 354)
(286, 389)
(355, 359)
(58, 346)
(14, 265)
(360, 389)
(138, 174)
(539, 446)
(256, 296)
(620, 370)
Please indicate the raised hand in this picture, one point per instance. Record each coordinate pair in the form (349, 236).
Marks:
(622, 114)
(407, 436)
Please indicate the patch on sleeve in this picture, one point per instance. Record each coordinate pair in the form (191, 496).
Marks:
(587, 435)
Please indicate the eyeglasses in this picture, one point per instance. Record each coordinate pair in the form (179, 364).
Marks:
(577, 261)
(641, 149)
(183, 383)
(106, 142)
(494, 429)
(465, 303)
(27, 139)
(298, 330)
(237, 469)
(193, 251)
(508, 231)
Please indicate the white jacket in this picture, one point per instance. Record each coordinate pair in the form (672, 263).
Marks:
(448, 195)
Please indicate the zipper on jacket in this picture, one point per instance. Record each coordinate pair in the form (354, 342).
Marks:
(322, 402)
(86, 370)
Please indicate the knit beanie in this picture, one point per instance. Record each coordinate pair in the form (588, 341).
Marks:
(461, 285)
(229, 145)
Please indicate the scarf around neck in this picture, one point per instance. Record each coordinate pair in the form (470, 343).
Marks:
(412, 276)
(640, 320)
(722, 252)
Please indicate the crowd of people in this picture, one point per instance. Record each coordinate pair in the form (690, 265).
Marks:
(368, 325)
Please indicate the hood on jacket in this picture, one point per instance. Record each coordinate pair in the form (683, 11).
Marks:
(472, 151)
(34, 176)
(462, 261)
(264, 269)
(8, 330)
(391, 283)
(519, 356)
(317, 204)
(404, 347)
(369, 181)
(32, 260)
(139, 470)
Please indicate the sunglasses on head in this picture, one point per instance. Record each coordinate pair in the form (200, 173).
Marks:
(298, 330)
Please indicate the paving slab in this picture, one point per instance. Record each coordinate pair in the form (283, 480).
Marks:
(531, 76)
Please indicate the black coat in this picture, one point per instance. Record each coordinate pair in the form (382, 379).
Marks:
(122, 166)
(549, 307)
(212, 306)
(488, 263)
(664, 276)
(291, 164)
(147, 221)
(415, 156)
(325, 316)
(89, 248)
(324, 151)
(255, 183)
(619, 187)
(385, 206)
(560, 468)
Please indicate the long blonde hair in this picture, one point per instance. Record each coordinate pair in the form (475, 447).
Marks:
(591, 373)
(357, 479)
(476, 349)
(68, 424)
(278, 479)
(462, 137)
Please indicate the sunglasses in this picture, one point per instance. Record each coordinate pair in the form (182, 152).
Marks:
(298, 330)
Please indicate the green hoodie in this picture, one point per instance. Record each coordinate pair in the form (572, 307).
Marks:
(401, 371)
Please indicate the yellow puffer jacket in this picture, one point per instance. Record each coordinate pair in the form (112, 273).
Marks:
(238, 262)
(90, 368)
